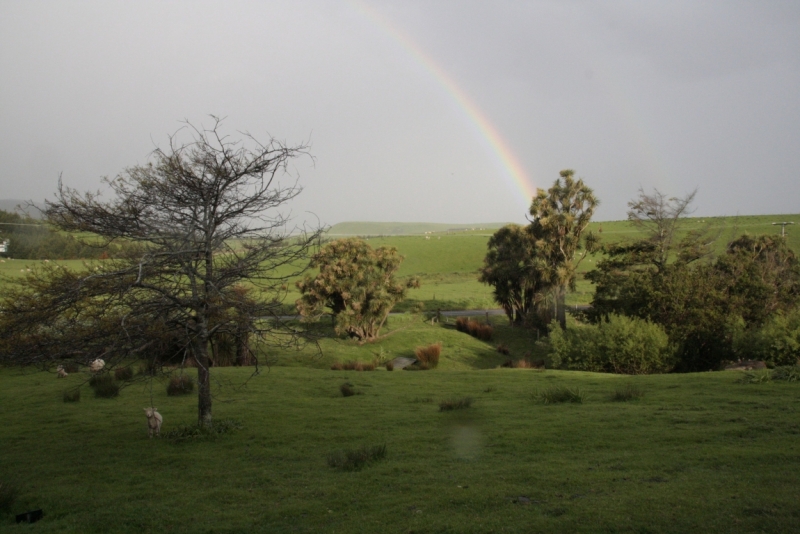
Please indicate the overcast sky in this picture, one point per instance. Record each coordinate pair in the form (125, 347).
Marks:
(398, 98)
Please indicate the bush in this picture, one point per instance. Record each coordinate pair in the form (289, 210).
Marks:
(558, 394)
(8, 494)
(123, 373)
(180, 385)
(429, 355)
(104, 386)
(502, 349)
(355, 459)
(618, 344)
(72, 395)
(389, 366)
(455, 404)
(347, 390)
(337, 366)
(777, 342)
(789, 373)
(626, 393)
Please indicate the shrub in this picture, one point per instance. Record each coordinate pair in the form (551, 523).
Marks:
(789, 373)
(72, 395)
(8, 494)
(180, 385)
(347, 390)
(626, 393)
(755, 378)
(777, 342)
(355, 459)
(478, 330)
(123, 373)
(558, 394)
(104, 386)
(502, 349)
(429, 355)
(618, 344)
(462, 324)
(389, 366)
(455, 404)
(337, 366)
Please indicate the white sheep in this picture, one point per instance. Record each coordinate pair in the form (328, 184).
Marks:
(62, 373)
(154, 421)
(97, 365)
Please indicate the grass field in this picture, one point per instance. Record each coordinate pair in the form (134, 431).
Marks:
(447, 263)
(696, 453)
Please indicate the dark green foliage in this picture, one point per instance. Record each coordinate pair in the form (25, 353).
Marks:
(429, 355)
(628, 392)
(123, 373)
(503, 349)
(104, 386)
(203, 432)
(617, 344)
(72, 395)
(776, 343)
(347, 390)
(511, 268)
(355, 459)
(455, 404)
(8, 495)
(788, 373)
(711, 311)
(559, 394)
(180, 385)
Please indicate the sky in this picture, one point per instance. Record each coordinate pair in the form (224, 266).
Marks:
(431, 110)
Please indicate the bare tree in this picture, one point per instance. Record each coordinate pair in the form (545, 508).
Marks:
(660, 217)
(208, 253)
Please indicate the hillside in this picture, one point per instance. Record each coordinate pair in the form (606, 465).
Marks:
(404, 228)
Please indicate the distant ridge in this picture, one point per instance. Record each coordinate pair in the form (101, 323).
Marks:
(405, 228)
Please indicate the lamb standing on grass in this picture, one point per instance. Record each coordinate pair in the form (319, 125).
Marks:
(154, 420)
(62, 373)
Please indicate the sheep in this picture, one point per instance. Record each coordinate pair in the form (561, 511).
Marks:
(154, 421)
(97, 365)
(62, 373)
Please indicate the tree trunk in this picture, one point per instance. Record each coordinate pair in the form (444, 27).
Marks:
(200, 350)
(561, 307)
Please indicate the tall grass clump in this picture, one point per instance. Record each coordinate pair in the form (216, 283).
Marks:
(355, 459)
(559, 394)
(455, 404)
(481, 331)
(628, 392)
(123, 373)
(429, 355)
(180, 385)
(72, 395)
(789, 373)
(104, 386)
(347, 390)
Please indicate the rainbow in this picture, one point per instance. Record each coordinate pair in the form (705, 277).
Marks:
(498, 146)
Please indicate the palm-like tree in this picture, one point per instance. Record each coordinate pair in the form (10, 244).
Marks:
(560, 217)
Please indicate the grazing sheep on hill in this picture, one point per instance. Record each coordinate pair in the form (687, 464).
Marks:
(97, 365)
(62, 373)
(154, 421)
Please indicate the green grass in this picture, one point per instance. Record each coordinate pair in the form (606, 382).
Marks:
(697, 453)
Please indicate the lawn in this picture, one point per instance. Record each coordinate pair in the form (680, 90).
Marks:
(696, 453)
